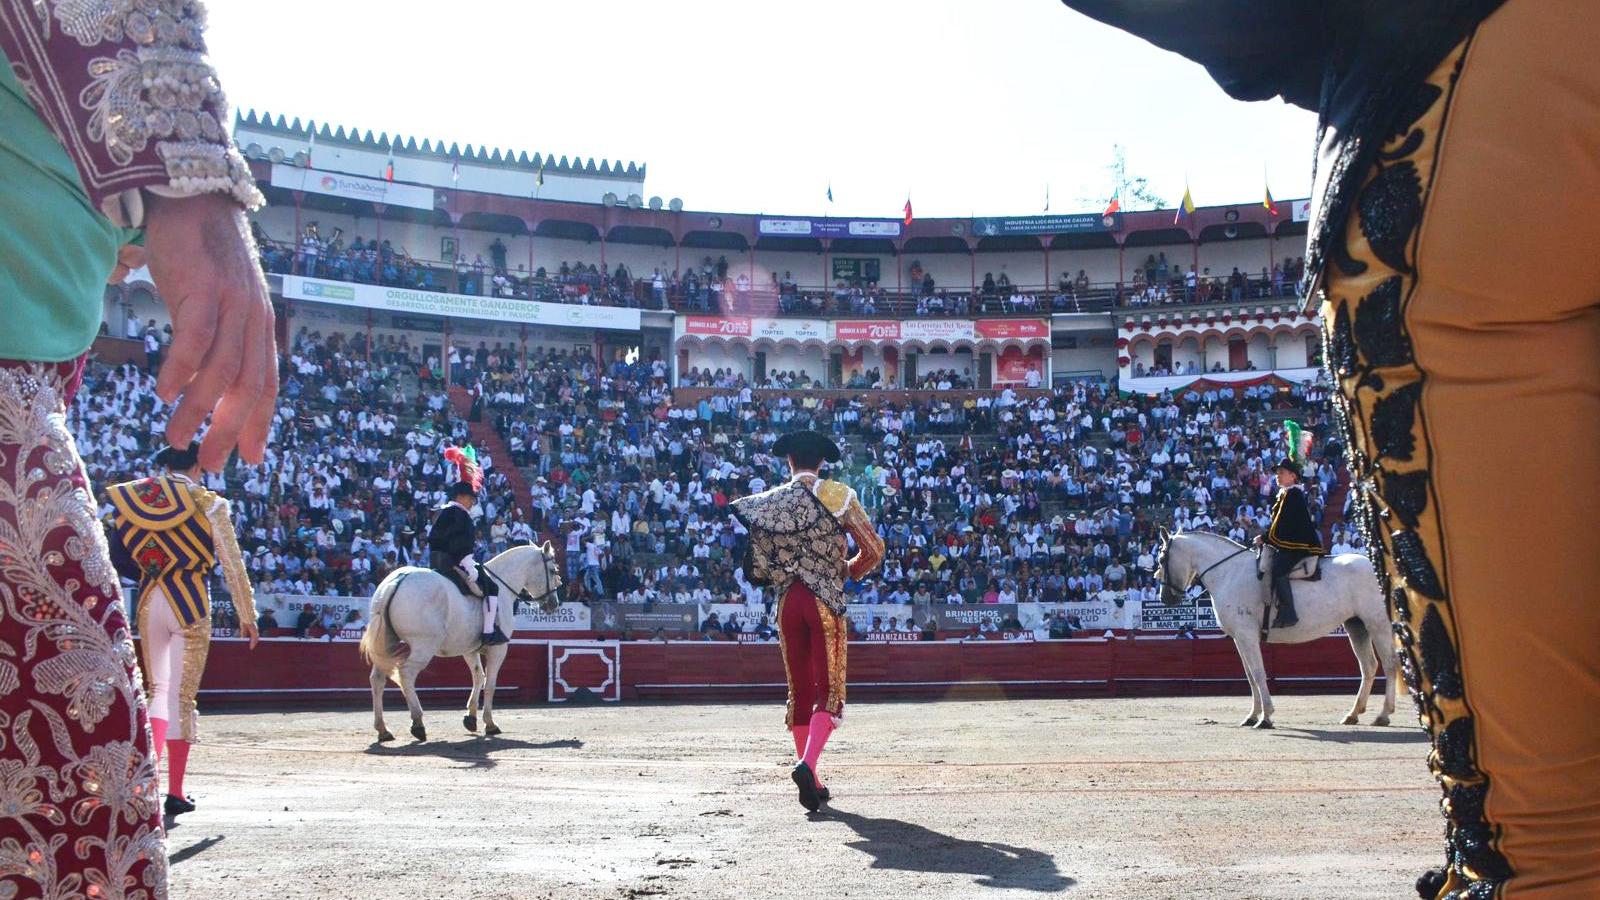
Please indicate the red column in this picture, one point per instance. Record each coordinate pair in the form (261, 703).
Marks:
(369, 337)
(524, 336)
(1047, 239)
(826, 281)
(444, 352)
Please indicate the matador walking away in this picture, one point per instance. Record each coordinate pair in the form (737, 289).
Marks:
(797, 547)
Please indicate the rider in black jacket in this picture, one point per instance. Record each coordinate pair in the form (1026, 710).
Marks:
(1292, 535)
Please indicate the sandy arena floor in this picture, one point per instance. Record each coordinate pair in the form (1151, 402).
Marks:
(1135, 798)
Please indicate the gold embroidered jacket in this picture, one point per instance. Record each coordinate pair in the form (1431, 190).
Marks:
(126, 88)
(175, 531)
(797, 534)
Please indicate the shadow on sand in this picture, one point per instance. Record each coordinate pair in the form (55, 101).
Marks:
(194, 849)
(477, 750)
(1388, 735)
(894, 844)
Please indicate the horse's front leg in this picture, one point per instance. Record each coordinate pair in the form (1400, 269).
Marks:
(494, 657)
(475, 669)
(1255, 673)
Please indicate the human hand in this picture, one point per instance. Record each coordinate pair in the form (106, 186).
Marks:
(130, 257)
(252, 632)
(223, 358)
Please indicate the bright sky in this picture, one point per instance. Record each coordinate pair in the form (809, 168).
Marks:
(756, 107)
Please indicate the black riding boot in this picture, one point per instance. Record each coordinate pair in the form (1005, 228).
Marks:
(487, 586)
(1286, 616)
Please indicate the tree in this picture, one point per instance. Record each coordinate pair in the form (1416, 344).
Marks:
(1134, 191)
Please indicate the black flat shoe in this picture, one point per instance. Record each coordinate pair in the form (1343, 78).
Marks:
(177, 806)
(824, 795)
(807, 783)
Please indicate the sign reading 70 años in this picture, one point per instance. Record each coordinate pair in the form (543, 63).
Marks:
(459, 306)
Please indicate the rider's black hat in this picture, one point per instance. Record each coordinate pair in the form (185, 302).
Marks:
(1289, 465)
(178, 458)
(462, 487)
(807, 447)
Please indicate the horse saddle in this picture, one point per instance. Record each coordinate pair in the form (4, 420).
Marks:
(1308, 569)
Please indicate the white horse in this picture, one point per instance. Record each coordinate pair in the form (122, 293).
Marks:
(1346, 594)
(418, 614)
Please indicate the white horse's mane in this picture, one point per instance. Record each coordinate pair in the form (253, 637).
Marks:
(1210, 534)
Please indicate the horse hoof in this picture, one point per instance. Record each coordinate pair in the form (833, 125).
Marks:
(471, 722)
(418, 732)
(1248, 723)
(1351, 720)
(1381, 721)
(385, 737)
(492, 730)
(1264, 724)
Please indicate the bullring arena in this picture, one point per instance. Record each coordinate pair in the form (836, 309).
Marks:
(961, 793)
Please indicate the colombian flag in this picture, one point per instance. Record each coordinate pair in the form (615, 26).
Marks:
(1186, 208)
(1269, 203)
(908, 212)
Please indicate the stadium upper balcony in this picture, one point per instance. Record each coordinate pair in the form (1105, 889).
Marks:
(581, 231)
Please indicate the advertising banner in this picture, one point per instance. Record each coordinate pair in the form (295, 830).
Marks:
(774, 329)
(566, 617)
(1013, 366)
(747, 617)
(462, 306)
(715, 326)
(866, 330)
(351, 187)
(1067, 224)
(866, 615)
(644, 617)
(1301, 210)
(964, 618)
(938, 330)
(1160, 617)
(1092, 616)
(830, 228)
(1012, 329)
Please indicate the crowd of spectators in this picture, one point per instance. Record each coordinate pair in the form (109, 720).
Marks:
(1160, 283)
(991, 498)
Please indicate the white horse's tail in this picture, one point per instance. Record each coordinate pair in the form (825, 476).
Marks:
(380, 646)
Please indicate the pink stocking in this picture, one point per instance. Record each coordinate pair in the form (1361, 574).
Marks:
(158, 737)
(177, 762)
(821, 727)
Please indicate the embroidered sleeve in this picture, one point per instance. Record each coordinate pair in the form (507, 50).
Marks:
(226, 545)
(869, 545)
(126, 88)
(836, 496)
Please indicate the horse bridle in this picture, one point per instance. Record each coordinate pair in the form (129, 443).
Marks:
(550, 575)
(1167, 587)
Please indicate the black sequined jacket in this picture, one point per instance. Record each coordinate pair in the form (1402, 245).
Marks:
(1361, 65)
